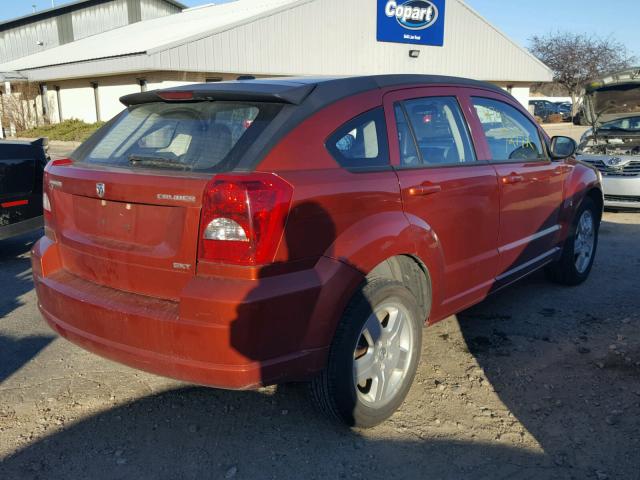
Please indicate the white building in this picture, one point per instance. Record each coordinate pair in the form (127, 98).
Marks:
(85, 78)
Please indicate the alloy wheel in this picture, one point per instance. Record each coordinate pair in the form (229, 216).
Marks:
(383, 354)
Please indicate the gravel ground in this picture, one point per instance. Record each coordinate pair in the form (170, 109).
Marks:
(536, 382)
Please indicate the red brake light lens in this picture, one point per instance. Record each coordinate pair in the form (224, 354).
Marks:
(61, 162)
(176, 96)
(47, 210)
(243, 218)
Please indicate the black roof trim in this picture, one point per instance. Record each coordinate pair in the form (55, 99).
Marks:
(262, 91)
(61, 10)
(295, 90)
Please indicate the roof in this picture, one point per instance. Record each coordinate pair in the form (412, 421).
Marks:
(62, 9)
(151, 35)
(295, 90)
(285, 37)
(310, 94)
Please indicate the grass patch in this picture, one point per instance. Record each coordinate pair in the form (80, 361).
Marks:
(68, 131)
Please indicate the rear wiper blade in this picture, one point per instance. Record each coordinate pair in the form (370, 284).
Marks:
(160, 162)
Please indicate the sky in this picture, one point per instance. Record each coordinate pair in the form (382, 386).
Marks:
(519, 19)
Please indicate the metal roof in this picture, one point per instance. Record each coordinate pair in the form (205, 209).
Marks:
(62, 9)
(285, 37)
(152, 35)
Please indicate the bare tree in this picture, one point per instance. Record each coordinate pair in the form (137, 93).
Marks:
(577, 58)
(19, 108)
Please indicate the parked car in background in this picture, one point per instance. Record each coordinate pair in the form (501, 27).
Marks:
(612, 106)
(21, 171)
(543, 108)
(564, 109)
(239, 234)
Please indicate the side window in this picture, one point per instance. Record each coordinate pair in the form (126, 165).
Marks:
(409, 156)
(510, 134)
(361, 142)
(435, 133)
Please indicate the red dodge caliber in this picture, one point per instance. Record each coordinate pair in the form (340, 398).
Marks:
(247, 233)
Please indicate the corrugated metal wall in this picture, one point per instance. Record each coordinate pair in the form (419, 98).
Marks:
(323, 37)
(99, 18)
(156, 8)
(23, 40)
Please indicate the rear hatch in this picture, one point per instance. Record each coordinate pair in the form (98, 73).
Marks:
(613, 97)
(126, 211)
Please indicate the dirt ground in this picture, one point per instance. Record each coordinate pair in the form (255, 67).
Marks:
(536, 382)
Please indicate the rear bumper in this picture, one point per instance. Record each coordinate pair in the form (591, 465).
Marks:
(621, 192)
(227, 333)
(20, 228)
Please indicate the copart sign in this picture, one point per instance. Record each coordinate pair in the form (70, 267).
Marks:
(411, 21)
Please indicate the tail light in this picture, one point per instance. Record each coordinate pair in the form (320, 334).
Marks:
(47, 196)
(243, 218)
(48, 215)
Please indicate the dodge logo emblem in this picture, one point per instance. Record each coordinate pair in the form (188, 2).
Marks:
(100, 189)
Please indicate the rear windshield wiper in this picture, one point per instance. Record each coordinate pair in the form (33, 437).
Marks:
(159, 162)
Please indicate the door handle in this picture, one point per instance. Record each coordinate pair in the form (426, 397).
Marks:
(512, 178)
(422, 190)
(561, 169)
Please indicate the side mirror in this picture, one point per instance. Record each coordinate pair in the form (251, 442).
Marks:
(562, 147)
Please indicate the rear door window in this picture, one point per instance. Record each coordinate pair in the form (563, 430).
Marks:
(510, 134)
(432, 132)
(200, 136)
(361, 142)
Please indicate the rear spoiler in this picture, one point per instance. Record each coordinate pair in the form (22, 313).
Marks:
(248, 91)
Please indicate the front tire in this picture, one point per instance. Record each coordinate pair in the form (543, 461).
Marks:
(373, 357)
(579, 250)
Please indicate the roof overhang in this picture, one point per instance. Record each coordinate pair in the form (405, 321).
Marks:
(12, 77)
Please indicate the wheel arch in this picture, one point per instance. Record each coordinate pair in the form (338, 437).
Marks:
(411, 272)
(596, 195)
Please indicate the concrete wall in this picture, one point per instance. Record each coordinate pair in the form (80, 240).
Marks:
(77, 96)
(78, 102)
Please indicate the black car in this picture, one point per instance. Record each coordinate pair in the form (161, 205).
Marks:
(21, 170)
(543, 108)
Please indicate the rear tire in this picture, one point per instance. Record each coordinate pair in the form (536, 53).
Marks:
(378, 341)
(579, 250)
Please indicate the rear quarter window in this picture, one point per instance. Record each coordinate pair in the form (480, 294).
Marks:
(361, 143)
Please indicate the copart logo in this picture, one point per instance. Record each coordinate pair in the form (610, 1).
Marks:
(412, 14)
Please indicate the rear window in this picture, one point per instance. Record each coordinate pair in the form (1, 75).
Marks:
(203, 136)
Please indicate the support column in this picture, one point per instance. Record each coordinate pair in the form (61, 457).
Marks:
(1, 114)
(59, 104)
(7, 92)
(96, 97)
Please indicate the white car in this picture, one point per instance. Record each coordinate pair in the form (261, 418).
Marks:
(612, 106)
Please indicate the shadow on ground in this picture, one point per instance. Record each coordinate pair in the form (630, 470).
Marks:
(16, 271)
(196, 433)
(540, 346)
(565, 361)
